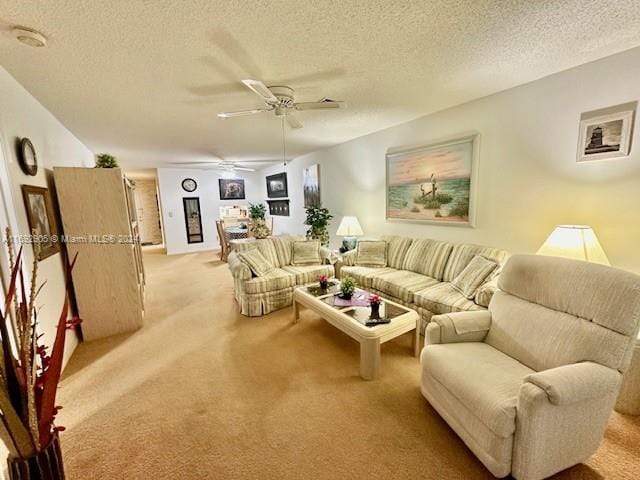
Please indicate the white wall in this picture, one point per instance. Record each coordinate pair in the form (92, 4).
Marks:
(294, 222)
(171, 195)
(21, 115)
(529, 180)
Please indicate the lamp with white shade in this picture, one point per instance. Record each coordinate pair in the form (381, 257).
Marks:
(574, 241)
(349, 228)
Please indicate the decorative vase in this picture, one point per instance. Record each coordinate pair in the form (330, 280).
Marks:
(324, 284)
(375, 310)
(346, 296)
(44, 465)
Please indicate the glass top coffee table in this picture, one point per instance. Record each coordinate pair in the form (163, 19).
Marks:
(353, 321)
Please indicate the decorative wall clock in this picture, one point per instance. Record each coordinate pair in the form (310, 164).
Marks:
(189, 185)
(27, 157)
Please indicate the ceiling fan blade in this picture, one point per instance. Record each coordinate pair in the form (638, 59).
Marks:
(293, 121)
(244, 169)
(261, 90)
(241, 113)
(196, 164)
(322, 104)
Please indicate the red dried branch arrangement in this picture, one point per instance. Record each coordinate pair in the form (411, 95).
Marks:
(29, 374)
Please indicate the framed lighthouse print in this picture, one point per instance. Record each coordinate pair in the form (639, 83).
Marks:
(606, 134)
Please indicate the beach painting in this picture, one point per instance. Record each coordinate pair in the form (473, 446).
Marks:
(433, 183)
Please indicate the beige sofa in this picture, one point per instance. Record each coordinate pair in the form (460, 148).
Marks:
(261, 295)
(529, 384)
(418, 274)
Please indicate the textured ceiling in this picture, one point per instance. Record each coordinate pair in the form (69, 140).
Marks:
(145, 79)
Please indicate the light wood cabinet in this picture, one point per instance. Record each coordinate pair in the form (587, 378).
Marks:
(98, 213)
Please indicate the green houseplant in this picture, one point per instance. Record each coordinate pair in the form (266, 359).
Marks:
(105, 160)
(257, 224)
(257, 211)
(318, 220)
(347, 287)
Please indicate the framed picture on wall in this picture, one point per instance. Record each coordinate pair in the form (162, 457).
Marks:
(277, 185)
(278, 207)
(42, 223)
(435, 183)
(606, 134)
(231, 188)
(311, 185)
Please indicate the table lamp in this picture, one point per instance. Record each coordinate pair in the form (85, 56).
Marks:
(349, 229)
(574, 241)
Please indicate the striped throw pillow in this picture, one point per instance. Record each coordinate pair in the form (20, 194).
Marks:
(463, 253)
(371, 253)
(256, 261)
(306, 253)
(473, 276)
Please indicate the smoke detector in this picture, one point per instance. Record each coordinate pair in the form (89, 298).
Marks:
(30, 37)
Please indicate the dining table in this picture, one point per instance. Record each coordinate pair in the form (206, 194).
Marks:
(236, 233)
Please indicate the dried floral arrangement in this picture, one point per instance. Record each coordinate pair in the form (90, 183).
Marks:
(29, 373)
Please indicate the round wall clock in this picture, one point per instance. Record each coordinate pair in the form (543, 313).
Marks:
(27, 157)
(189, 185)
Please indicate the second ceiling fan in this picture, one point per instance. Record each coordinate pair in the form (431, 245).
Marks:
(280, 101)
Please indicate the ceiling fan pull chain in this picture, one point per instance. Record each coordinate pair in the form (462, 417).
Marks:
(284, 146)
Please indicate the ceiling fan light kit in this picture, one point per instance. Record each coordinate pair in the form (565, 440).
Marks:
(280, 100)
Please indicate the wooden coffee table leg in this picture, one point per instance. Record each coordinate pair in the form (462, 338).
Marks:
(369, 358)
(296, 312)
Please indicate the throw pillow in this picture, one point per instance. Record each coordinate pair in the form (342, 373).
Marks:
(371, 253)
(306, 253)
(256, 261)
(471, 278)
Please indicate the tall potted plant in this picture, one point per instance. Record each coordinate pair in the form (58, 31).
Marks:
(257, 222)
(318, 220)
(30, 379)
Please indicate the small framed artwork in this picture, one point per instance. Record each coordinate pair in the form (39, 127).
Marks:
(231, 188)
(311, 185)
(279, 207)
(434, 183)
(42, 223)
(277, 185)
(606, 134)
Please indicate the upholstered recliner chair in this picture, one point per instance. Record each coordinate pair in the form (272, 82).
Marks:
(529, 384)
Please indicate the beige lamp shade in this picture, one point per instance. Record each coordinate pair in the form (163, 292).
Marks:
(349, 227)
(574, 241)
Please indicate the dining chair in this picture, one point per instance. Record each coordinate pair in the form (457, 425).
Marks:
(224, 242)
(269, 222)
(230, 221)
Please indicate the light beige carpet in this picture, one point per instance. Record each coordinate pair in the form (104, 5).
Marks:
(203, 392)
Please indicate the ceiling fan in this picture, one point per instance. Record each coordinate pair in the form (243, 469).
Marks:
(219, 165)
(280, 101)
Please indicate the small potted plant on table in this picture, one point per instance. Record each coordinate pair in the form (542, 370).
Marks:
(347, 287)
(374, 303)
(324, 282)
